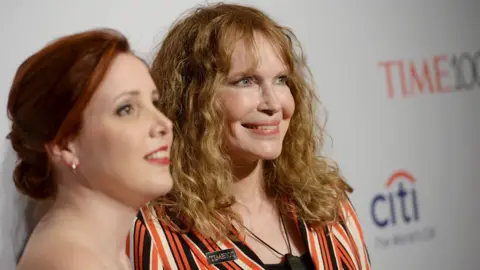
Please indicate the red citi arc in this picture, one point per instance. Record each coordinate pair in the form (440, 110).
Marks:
(159, 156)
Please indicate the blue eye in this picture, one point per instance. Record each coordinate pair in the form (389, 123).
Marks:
(282, 79)
(244, 82)
(124, 110)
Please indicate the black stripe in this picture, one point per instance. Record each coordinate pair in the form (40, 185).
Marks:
(190, 260)
(364, 245)
(351, 240)
(147, 242)
(147, 249)
(135, 244)
(175, 247)
(303, 232)
(136, 241)
(202, 247)
(248, 252)
(331, 248)
(368, 254)
(245, 249)
(345, 254)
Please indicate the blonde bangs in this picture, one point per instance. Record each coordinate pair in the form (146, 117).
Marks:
(232, 32)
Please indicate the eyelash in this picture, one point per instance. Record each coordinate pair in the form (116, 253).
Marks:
(124, 110)
(283, 79)
(127, 108)
(248, 79)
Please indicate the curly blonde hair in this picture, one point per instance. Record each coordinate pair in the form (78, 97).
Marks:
(193, 60)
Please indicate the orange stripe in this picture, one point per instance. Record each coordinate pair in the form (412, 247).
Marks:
(343, 254)
(358, 228)
(137, 246)
(323, 249)
(128, 245)
(295, 218)
(245, 259)
(204, 241)
(156, 238)
(347, 257)
(154, 258)
(180, 249)
(313, 249)
(196, 251)
(335, 256)
(310, 240)
(349, 240)
(171, 243)
(367, 263)
(323, 240)
(355, 219)
(200, 266)
(356, 252)
(142, 240)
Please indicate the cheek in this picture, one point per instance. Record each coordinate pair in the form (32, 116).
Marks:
(288, 105)
(237, 105)
(106, 144)
(94, 147)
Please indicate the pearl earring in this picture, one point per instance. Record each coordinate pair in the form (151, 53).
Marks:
(74, 168)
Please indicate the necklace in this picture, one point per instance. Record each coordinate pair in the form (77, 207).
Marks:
(292, 262)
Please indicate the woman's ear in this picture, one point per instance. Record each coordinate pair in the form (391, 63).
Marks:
(65, 154)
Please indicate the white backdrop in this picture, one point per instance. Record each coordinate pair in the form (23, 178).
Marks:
(408, 144)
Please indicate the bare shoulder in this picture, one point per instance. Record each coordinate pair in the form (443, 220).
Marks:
(58, 256)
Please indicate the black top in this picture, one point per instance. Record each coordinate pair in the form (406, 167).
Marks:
(306, 260)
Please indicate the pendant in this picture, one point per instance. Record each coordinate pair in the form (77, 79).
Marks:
(294, 262)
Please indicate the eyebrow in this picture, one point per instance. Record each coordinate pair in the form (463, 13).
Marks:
(249, 72)
(240, 74)
(134, 93)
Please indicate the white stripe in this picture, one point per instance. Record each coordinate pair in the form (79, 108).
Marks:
(196, 260)
(163, 237)
(333, 256)
(131, 236)
(154, 252)
(316, 243)
(356, 235)
(346, 245)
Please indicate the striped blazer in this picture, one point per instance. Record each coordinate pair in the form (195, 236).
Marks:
(151, 245)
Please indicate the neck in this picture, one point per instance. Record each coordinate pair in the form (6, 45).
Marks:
(248, 187)
(93, 216)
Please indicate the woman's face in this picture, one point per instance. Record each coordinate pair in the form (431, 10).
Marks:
(123, 148)
(258, 104)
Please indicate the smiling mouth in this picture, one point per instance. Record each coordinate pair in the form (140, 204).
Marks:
(159, 157)
(262, 129)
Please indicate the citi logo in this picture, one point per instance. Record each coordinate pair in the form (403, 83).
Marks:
(398, 204)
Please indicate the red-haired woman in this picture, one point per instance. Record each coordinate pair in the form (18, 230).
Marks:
(88, 136)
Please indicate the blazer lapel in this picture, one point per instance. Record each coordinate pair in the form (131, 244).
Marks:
(311, 241)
